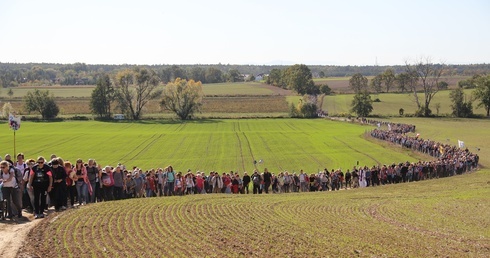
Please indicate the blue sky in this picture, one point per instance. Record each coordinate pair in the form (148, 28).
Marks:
(244, 32)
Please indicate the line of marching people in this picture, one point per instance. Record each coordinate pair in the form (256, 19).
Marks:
(36, 185)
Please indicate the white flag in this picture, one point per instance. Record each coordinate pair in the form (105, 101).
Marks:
(389, 127)
(460, 144)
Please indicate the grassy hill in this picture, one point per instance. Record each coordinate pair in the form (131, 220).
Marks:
(441, 217)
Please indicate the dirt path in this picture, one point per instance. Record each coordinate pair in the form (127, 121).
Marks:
(13, 235)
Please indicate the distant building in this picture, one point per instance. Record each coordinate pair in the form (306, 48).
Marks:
(261, 76)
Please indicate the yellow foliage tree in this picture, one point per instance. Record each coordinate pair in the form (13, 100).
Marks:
(183, 97)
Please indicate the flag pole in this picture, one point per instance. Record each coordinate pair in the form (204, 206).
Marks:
(14, 144)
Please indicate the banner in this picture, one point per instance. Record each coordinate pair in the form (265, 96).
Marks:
(460, 144)
(14, 122)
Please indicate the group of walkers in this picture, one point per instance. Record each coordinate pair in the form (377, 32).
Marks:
(35, 185)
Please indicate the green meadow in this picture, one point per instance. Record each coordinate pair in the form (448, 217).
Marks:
(392, 102)
(222, 145)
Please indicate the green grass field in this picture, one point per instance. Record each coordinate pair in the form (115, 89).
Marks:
(433, 218)
(392, 102)
(222, 145)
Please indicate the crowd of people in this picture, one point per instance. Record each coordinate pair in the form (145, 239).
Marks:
(35, 185)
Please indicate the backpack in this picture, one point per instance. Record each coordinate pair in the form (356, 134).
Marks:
(92, 173)
(40, 177)
(19, 176)
(256, 179)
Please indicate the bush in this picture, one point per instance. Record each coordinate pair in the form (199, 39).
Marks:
(325, 89)
(80, 118)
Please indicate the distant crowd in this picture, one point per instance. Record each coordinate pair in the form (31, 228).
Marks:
(34, 185)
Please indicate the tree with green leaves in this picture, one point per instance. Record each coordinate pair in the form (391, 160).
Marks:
(234, 76)
(102, 97)
(198, 74)
(482, 92)
(377, 83)
(461, 108)
(362, 104)
(306, 108)
(183, 97)
(358, 83)
(134, 89)
(275, 78)
(388, 79)
(43, 102)
(325, 89)
(213, 75)
(299, 78)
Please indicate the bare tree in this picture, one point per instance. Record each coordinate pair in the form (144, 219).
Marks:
(428, 75)
(135, 88)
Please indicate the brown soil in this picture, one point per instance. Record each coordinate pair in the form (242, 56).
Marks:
(14, 234)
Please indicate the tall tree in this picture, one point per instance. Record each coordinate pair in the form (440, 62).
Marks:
(102, 97)
(198, 74)
(482, 92)
(299, 78)
(234, 76)
(358, 83)
(177, 72)
(275, 77)
(213, 75)
(461, 108)
(428, 75)
(183, 97)
(362, 104)
(135, 88)
(43, 102)
(402, 80)
(389, 79)
(377, 83)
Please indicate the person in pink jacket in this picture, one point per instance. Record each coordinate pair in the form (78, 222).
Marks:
(82, 183)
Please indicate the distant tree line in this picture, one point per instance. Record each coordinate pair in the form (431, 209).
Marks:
(12, 74)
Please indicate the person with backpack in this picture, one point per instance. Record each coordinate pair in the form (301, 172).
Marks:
(169, 181)
(28, 200)
(10, 190)
(93, 178)
(41, 181)
(22, 167)
(118, 176)
(256, 179)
